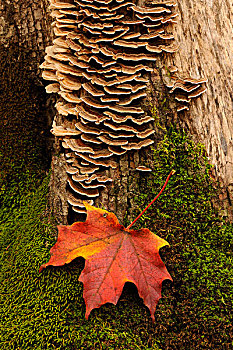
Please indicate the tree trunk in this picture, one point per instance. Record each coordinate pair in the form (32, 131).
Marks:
(27, 25)
(203, 32)
(25, 32)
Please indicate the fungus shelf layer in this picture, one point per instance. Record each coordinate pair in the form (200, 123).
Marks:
(99, 65)
(184, 89)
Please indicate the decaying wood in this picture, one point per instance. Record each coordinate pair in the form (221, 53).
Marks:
(204, 32)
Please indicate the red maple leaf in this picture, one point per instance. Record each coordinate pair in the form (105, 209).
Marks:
(114, 255)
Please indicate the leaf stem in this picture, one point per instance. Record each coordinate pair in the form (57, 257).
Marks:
(162, 189)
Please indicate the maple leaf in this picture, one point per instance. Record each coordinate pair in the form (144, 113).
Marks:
(114, 255)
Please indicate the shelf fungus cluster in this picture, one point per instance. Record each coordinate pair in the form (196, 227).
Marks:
(99, 65)
(184, 89)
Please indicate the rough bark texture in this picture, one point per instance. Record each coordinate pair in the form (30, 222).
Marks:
(25, 32)
(204, 33)
(25, 23)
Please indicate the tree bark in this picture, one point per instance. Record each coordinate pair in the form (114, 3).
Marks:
(25, 32)
(204, 32)
(26, 23)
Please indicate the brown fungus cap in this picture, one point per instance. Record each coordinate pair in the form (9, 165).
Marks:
(198, 92)
(112, 142)
(150, 10)
(90, 115)
(103, 162)
(76, 187)
(88, 169)
(146, 133)
(115, 90)
(71, 84)
(120, 128)
(100, 178)
(92, 89)
(93, 103)
(156, 20)
(61, 131)
(138, 145)
(143, 168)
(77, 202)
(131, 35)
(65, 108)
(182, 97)
(182, 86)
(71, 170)
(117, 150)
(126, 101)
(122, 109)
(103, 153)
(109, 99)
(67, 69)
(79, 210)
(49, 75)
(78, 145)
(182, 108)
(70, 97)
(92, 186)
(52, 88)
(91, 139)
(56, 14)
(88, 129)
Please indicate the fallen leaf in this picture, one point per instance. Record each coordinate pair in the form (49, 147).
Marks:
(114, 255)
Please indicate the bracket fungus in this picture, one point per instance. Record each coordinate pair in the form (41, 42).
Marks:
(183, 88)
(99, 65)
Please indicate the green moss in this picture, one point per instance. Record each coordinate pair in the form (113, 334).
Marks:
(46, 311)
(196, 311)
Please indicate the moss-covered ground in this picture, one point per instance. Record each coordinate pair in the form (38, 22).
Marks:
(46, 311)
